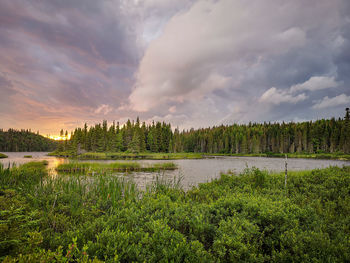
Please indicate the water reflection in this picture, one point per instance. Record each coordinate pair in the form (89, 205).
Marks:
(53, 162)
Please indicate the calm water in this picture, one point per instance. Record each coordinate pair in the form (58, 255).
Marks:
(192, 172)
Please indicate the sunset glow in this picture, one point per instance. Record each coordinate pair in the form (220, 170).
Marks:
(59, 138)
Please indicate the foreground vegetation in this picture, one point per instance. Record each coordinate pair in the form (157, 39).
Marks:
(3, 155)
(25, 141)
(77, 167)
(246, 218)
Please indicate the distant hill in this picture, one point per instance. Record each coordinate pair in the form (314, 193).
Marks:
(25, 141)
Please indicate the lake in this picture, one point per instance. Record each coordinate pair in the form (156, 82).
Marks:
(191, 171)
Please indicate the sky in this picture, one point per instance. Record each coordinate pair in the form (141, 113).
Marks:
(191, 63)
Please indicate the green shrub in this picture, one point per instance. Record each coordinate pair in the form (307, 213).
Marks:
(249, 217)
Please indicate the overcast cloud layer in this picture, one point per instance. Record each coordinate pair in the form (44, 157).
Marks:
(192, 63)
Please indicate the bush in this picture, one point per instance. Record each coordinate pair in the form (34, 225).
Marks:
(249, 217)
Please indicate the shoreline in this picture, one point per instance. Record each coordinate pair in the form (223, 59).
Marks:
(182, 156)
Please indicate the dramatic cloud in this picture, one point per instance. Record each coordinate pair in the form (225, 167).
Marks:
(316, 83)
(275, 96)
(105, 109)
(231, 51)
(326, 102)
(209, 37)
(194, 63)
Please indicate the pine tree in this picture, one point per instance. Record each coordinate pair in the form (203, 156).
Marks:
(134, 145)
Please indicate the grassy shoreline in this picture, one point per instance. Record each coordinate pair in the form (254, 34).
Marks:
(128, 156)
(3, 156)
(321, 156)
(178, 156)
(250, 217)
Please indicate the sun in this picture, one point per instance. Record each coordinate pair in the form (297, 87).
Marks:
(59, 138)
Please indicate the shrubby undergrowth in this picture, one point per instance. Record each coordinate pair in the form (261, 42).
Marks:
(249, 217)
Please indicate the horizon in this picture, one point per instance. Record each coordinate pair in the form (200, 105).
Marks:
(191, 63)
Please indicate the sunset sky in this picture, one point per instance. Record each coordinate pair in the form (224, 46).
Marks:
(191, 63)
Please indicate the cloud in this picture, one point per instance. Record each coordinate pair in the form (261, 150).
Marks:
(194, 44)
(7, 92)
(275, 96)
(327, 102)
(103, 109)
(316, 83)
(278, 96)
(206, 40)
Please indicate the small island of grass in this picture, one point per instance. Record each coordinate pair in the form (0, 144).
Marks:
(27, 156)
(3, 156)
(86, 168)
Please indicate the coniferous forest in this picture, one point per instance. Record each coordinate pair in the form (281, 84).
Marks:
(321, 136)
(25, 141)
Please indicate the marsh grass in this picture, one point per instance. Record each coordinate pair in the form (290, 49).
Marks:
(24, 176)
(100, 168)
(162, 183)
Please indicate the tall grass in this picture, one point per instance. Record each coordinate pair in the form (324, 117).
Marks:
(24, 176)
(77, 193)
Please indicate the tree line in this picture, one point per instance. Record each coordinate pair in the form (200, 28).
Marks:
(132, 137)
(25, 141)
(325, 135)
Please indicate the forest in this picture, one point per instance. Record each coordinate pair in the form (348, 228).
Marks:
(321, 136)
(25, 141)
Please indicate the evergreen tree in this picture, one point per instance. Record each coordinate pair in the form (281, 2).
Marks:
(308, 137)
